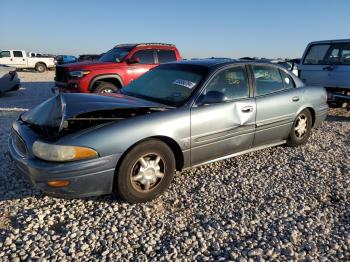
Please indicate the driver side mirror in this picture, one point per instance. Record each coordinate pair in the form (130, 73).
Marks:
(133, 60)
(212, 97)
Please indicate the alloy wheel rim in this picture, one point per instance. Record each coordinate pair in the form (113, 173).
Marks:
(300, 127)
(147, 172)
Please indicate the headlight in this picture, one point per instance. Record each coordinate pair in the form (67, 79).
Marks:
(79, 73)
(58, 153)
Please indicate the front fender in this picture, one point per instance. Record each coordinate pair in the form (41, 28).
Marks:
(117, 137)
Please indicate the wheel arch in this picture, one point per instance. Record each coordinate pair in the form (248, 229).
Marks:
(40, 62)
(174, 146)
(111, 78)
(312, 112)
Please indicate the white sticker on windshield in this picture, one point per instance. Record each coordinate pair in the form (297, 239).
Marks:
(185, 83)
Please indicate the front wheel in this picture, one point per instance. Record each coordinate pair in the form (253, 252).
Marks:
(105, 87)
(301, 129)
(145, 172)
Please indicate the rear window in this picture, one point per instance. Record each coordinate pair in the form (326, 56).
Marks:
(145, 56)
(165, 56)
(17, 54)
(267, 80)
(316, 55)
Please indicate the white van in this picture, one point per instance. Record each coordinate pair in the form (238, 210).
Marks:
(327, 64)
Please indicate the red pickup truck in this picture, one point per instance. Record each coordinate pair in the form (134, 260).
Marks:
(115, 69)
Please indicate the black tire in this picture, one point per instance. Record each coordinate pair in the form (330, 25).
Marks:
(135, 191)
(104, 87)
(300, 136)
(40, 67)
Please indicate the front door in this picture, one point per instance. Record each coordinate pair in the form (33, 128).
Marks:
(223, 127)
(277, 102)
(146, 61)
(5, 58)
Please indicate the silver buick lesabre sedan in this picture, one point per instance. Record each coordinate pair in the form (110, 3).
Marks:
(176, 116)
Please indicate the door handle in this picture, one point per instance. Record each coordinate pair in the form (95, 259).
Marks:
(329, 68)
(247, 109)
(295, 98)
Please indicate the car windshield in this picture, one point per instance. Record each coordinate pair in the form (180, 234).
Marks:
(170, 84)
(116, 54)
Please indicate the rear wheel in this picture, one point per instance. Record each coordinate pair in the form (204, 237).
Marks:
(301, 129)
(105, 87)
(40, 67)
(145, 172)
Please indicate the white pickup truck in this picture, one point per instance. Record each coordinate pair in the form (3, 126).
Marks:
(19, 59)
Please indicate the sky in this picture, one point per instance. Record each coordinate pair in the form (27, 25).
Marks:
(199, 28)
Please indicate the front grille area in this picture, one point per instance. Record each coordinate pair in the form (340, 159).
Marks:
(20, 145)
(61, 74)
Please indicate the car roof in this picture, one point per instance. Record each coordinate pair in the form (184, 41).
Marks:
(331, 41)
(144, 44)
(213, 63)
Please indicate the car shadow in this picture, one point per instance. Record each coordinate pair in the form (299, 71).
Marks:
(337, 118)
(28, 96)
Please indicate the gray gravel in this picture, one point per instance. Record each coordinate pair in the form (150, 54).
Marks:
(280, 203)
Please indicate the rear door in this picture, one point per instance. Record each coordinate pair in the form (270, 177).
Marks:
(147, 61)
(277, 102)
(19, 59)
(227, 127)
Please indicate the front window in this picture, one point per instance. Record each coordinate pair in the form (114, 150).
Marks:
(116, 54)
(4, 54)
(167, 84)
(231, 82)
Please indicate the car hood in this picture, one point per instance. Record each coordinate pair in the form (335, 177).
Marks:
(91, 65)
(65, 111)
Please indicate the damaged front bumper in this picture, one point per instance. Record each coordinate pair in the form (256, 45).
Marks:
(86, 178)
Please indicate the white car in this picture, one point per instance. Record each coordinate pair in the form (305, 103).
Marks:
(20, 59)
(9, 80)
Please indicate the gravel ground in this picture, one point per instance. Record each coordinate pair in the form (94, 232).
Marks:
(280, 203)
